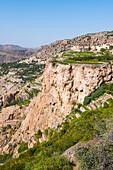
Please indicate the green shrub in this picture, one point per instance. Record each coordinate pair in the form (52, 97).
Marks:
(73, 103)
(56, 163)
(87, 100)
(108, 88)
(53, 64)
(79, 105)
(99, 92)
(99, 155)
(25, 102)
(102, 50)
(23, 147)
(106, 105)
(8, 126)
(50, 133)
(46, 132)
(38, 134)
(5, 157)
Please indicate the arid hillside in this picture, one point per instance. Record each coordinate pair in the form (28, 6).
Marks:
(52, 49)
(14, 54)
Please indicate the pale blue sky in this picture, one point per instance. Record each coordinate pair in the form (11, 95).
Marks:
(31, 23)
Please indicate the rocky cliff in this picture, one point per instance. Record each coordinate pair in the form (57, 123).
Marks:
(62, 85)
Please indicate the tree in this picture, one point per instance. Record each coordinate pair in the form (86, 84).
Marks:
(102, 50)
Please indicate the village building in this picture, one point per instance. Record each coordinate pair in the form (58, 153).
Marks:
(80, 48)
(75, 48)
(93, 48)
(105, 46)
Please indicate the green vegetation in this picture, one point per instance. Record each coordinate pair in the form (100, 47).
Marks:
(56, 163)
(25, 102)
(24, 71)
(5, 157)
(39, 84)
(105, 88)
(46, 155)
(108, 88)
(8, 126)
(13, 103)
(99, 92)
(38, 134)
(102, 49)
(84, 57)
(53, 64)
(92, 125)
(31, 94)
(91, 58)
(23, 147)
(111, 47)
(96, 156)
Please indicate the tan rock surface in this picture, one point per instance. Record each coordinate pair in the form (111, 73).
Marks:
(62, 84)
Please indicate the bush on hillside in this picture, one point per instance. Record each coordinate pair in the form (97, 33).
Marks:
(98, 155)
(5, 157)
(38, 134)
(99, 92)
(87, 100)
(55, 162)
(23, 147)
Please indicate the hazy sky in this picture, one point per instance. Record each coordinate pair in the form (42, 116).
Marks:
(31, 23)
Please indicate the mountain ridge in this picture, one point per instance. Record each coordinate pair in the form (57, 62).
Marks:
(10, 47)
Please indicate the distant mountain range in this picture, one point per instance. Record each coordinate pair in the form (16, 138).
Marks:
(10, 47)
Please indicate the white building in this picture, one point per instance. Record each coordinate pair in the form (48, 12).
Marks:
(105, 46)
(93, 48)
(98, 47)
(75, 48)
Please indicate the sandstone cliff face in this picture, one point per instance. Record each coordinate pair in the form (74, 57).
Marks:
(62, 84)
(74, 82)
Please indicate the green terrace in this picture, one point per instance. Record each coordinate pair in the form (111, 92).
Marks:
(24, 71)
(83, 58)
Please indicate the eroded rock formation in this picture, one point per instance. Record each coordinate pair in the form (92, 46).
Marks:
(62, 84)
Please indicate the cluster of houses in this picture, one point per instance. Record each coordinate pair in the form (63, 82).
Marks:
(34, 58)
(92, 48)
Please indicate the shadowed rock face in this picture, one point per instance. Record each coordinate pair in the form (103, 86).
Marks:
(8, 98)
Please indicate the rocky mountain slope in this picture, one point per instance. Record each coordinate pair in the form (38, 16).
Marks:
(12, 55)
(52, 49)
(63, 85)
(47, 51)
(45, 106)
